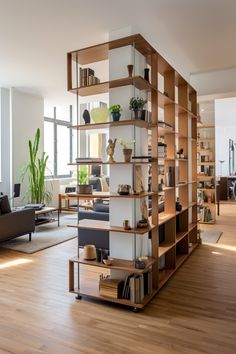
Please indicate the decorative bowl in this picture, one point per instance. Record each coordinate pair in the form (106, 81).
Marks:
(99, 115)
(108, 261)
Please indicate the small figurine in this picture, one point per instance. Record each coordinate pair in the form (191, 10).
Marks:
(86, 116)
(110, 150)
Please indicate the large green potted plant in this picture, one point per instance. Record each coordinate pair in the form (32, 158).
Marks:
(35, 171)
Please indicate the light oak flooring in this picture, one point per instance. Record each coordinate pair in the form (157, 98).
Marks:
(194, 313)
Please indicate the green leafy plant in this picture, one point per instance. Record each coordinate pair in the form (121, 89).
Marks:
(126, 144)
(116, 108)
(137, 103)
(82, 177)
(35, 171)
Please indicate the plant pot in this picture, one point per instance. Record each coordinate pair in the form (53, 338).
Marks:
(127, 154)
(140, 114)
(84, 189)
(115, 116)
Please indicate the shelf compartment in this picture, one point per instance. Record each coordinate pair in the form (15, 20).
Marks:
(104, 87)
(164, 247)
(90, 224)
(180, 235)
(192, 204)
(164, 217)
(180, 259)
(210, 163)
(136, 122)
(117, 264)
(182, 211)
(192, 226)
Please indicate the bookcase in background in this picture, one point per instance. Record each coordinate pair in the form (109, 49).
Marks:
(206, 170)
(169, 135)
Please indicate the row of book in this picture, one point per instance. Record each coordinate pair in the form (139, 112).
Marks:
(87, 77)
(137, 286)
(134, 288)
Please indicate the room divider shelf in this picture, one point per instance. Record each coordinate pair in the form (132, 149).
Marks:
(173, 122)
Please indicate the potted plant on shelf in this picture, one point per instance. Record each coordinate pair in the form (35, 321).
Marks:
(136, 104)
(115, 112)
(83, 187)
(35, 171)
(127, 148)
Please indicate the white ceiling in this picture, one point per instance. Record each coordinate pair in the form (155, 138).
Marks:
(193, 35)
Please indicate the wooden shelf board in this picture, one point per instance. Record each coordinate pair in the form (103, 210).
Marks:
(210, 163)
(92, 292)
(207, 178)
(136, 122)
(163, 218)
(180, 259)
(204, 150)
(96, 195)
(101, 51)
(104, 87)
(192, 182)
(164, 276)
(164, 100)
(206, 204)
(166, 189)
(181, 185)
(181, 235)
(206, 126)
(207, 189)
(206, 139)
(114, 163)
(165, 247)
(192, 204)
(118, 264)
(90, 224)
(191, 226)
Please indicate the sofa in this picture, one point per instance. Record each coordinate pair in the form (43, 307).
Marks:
(15, 223)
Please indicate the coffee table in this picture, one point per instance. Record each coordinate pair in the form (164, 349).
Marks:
(47, 211)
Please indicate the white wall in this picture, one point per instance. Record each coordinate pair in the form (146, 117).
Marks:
(225, 117)
(5, 140)
(27, 116)
(214, 82)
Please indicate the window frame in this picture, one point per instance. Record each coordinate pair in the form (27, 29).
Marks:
(59, 122)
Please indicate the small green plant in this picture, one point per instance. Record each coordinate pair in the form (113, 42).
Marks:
(82, 176)
(116, 108)
(126, 144)
(137, 103)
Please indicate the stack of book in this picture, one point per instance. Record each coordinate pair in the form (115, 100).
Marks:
(87, 77)
(137, 286)
(111, 288)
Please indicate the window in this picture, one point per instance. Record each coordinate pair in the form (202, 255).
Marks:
(58, 142)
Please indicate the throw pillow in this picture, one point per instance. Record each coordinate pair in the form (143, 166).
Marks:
(4, 204)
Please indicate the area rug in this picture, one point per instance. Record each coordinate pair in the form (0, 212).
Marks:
(45, 236)
(210, 236)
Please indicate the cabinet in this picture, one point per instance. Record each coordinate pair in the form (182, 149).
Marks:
(206, 174)
(168, 136)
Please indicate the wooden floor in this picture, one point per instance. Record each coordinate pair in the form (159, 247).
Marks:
(194, 313)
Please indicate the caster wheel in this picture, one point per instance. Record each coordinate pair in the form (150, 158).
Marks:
(135, 309)
(78, 297)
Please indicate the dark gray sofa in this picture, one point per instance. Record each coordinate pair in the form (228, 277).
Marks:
(17, 223)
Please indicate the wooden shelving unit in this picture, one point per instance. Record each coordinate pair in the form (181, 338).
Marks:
(206, 187)
(173, 233)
